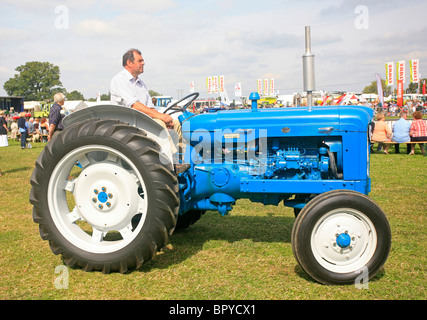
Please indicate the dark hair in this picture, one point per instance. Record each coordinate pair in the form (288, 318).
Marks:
(417, 115)
(129, 56)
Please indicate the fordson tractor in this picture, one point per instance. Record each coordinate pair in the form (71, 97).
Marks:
(106, 196)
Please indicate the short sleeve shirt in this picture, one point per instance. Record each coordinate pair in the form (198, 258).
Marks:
(419, 128)
(125, 90)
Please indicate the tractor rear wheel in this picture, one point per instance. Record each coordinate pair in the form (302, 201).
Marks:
(104, 196)
(341, 236)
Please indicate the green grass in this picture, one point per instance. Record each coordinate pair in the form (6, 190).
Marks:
(245, 255)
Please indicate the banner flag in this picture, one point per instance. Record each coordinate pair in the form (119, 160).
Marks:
(399, 93)
(221, 84)
(380, 89)
(271, 87)
(192, 86)
(259, 86)
(266, 87)
(400, 71)
(414, 66)
(238, 89)
(424, 87)
(209, 84)
(389, 71)
(215, 84)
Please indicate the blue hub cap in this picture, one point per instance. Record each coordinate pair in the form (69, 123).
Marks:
(343, 240)
(102, 197)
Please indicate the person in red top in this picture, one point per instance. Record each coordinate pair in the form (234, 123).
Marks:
(418, 131)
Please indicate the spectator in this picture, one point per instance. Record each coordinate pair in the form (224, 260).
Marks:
(401, 132)
(3, 130)
(382, 132)
(23, 129)
(55, 116)
(14, 130)
(418, 131)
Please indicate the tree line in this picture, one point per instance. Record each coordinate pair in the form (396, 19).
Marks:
(39, 81)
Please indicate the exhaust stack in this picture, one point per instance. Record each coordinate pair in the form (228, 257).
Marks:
(308, 68)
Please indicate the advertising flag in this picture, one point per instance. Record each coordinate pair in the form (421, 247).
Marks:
(424, 87)
(266, 87)
(238, 89)
(209, 84)
(399, 93)
(414, 68)
(259, 86)
(192, 86)
(221, 84)
(215, 84)
(400, 71)
(271, 87)
(389, 67)
(380, 89)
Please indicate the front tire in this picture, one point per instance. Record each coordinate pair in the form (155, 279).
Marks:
(104, 196)
(340, 234)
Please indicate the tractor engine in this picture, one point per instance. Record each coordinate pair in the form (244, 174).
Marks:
(270, 155)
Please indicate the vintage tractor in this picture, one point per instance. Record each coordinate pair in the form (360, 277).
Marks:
(106, 196)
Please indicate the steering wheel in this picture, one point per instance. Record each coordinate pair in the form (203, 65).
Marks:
(175, 108)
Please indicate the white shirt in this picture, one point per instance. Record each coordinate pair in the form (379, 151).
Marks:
(126, 90)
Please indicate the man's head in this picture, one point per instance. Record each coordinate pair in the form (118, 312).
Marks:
(133, 62)
(59, 98)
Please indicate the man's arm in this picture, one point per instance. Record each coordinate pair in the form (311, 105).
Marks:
(153, 113)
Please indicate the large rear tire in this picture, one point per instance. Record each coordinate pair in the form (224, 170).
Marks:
(341, 236)
(104, 196)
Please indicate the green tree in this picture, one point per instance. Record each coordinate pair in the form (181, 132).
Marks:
(75, 95)
(372, 88)
(154, 93)
(35, 81)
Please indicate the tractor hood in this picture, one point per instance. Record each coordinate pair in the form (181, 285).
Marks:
(281, 122)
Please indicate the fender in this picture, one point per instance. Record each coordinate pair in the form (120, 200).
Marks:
(127, 115)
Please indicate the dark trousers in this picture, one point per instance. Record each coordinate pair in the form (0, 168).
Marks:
(24, 136)
(408, 148)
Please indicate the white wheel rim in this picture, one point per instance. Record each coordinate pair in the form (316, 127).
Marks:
(105, 211)
(344, 240)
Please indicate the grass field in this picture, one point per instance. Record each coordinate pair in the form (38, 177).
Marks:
(245, 255)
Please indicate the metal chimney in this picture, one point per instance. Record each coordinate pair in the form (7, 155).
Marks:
(308, 68)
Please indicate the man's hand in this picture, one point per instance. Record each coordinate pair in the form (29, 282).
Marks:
(167, 119)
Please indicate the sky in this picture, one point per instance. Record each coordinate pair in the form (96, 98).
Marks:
(183, 41)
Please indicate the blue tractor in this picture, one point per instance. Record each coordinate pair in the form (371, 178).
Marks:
(106, 196)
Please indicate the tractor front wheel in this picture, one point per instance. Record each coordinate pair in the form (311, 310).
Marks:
(341, 236)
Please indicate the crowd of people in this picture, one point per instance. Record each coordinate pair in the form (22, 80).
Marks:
(23, 127)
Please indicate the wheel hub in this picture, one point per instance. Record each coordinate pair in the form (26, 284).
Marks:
(104, 200)
(343, 240)
(107, 196)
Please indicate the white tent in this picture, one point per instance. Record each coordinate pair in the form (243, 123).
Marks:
(74, 105)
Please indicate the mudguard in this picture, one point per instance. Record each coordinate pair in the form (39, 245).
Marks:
(127, 115)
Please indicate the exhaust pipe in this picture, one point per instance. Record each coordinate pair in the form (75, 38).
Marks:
(308, 68)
